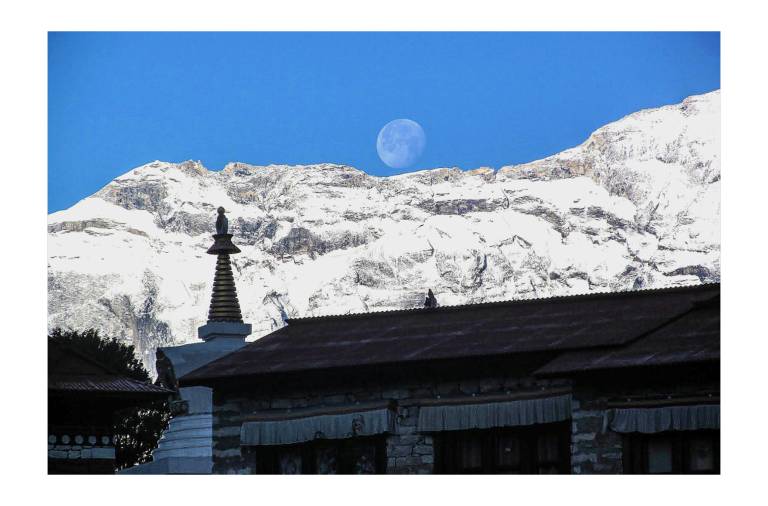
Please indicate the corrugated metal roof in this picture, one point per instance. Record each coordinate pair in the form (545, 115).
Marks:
(692, 337)
(69, 370)
(500, 328)
(106, 384)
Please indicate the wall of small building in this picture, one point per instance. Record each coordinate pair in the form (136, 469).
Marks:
(80, 453)
(80, 439)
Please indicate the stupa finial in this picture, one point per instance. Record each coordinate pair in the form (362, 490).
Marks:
(222, 239)
(222, 223)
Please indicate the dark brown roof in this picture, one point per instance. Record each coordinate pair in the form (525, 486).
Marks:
(596, 320)
(692, 337)
(72, 371)
(103, 384)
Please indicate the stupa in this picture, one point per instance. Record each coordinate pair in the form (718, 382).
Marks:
(186, 445)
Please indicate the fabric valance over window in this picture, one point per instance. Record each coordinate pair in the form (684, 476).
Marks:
(327, 426)
(650, 420)
(495, 414)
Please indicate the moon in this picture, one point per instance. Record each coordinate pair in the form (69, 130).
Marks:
(400, 143)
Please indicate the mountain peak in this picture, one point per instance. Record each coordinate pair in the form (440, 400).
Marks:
(637, 205)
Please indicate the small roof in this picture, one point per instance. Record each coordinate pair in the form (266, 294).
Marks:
(103, 384)
(590, 321)
(72, 371)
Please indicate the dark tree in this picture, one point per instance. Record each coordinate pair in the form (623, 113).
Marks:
(138, 429)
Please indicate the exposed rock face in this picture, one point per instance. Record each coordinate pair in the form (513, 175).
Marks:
(637, 205)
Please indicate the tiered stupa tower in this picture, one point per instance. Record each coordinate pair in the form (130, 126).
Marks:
(224, 316)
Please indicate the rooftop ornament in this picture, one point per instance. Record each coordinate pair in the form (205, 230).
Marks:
(431, 300)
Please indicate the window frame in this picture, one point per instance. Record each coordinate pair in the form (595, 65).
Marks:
(266, 459)
(636, 456)
(447, 442)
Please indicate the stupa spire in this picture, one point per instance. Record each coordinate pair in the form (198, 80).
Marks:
(224, 304)
(224, 316)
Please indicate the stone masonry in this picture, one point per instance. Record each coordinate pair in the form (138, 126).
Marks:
(595, 449)
(408, 451)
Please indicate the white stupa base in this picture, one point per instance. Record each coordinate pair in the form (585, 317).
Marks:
(216, 330)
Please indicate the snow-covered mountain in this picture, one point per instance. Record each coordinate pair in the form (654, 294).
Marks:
(636, 205)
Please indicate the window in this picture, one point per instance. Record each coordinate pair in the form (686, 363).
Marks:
(537, 449)
(683, 452)
(364, 455)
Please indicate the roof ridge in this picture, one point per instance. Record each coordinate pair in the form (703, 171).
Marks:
(505, 302)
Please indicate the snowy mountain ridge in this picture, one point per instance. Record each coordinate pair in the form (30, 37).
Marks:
(636, 205)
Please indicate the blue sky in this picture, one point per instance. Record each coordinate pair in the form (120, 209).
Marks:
(119, 100)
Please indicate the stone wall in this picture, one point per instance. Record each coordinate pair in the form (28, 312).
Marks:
(594, 448)
(408, 452)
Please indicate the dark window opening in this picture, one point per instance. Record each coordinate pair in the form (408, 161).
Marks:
(362, 455)
(683, 452)
(536, 449)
